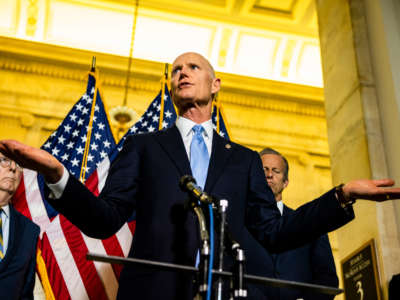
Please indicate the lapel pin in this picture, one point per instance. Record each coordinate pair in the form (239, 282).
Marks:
(228, 146)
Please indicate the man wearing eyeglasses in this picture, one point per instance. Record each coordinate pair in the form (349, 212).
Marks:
(18, 238)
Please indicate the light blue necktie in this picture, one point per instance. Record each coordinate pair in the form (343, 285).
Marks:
(199, 160)
(199, 157)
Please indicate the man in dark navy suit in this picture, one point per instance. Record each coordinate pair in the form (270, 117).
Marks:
(18, 239)
(311, 263)
(145, 177)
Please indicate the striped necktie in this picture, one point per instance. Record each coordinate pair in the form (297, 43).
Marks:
(199, 157)
(1, 236)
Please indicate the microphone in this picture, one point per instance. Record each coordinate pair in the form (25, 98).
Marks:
(188, 184)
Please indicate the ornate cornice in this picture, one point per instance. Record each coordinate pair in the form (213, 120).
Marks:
(28, 114)
(72, 64)
(272, 103)
(280, 138)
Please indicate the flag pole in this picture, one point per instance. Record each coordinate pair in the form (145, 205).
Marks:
(89, 131)
(216, 104)
(93, 69)
(164, 81)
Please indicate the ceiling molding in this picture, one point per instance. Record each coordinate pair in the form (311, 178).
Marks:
(256, 14)
(66, 63)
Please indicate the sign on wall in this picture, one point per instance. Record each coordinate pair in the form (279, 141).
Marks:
(360, 274)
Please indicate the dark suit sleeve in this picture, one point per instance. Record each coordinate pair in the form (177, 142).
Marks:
(322, 265)
(101, 217)
(29, 282)
(305, 224)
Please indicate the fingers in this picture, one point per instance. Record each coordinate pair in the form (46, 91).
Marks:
(383, 182)
(10, 146)
(7, 148)
(13, 150)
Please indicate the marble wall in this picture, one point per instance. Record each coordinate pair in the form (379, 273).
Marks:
(356, 127)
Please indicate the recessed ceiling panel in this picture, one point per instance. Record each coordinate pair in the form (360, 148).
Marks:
(220, 3)
(309, 65)
(274, 5)
(8, 12)
(255, 55)
(163, 41)
(89, 27)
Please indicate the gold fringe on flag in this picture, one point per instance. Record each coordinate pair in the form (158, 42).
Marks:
(44, 278)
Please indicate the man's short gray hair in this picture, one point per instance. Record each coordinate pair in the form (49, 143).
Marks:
(269, 150)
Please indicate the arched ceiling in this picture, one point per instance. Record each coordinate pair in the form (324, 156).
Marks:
(269, 39)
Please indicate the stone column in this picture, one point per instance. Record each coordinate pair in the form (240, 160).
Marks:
(356, 128)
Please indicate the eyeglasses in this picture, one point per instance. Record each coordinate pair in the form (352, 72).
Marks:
(6, 163)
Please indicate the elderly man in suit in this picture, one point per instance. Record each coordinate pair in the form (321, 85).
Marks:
(311, 263)
(145, 177)
(18, 239)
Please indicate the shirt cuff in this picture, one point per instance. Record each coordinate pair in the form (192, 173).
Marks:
(57, 189)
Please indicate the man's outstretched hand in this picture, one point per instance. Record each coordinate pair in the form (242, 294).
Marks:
(375, 190)
(34, 159)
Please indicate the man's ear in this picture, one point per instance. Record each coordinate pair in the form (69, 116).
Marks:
(215, 86)
(285, 183)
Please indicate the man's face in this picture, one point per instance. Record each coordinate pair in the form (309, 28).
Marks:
(274, 173)
(192, 81)
(10, 177)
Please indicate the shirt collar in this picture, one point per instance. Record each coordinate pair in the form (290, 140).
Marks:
(280, 206)
(6, 210)
(185, 126)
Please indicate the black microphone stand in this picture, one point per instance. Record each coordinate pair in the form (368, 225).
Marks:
(205, 247)
(238, 290)
(238, 276)
(196, 194)
(164, 266)
(222, 208)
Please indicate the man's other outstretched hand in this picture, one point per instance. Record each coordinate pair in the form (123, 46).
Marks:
(34, 159)
(375, 190)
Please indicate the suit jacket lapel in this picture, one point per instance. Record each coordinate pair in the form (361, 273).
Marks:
(221, 150)
(171, 141)
(13, 237)
(284, 210)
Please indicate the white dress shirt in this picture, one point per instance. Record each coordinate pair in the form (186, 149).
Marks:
(280, 206)
(185, 129)
(5, 219)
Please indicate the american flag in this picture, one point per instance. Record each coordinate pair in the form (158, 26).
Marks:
(218, 120)
(161, 113)
(63, 246)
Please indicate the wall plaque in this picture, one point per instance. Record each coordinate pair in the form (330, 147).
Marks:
(360, 274)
